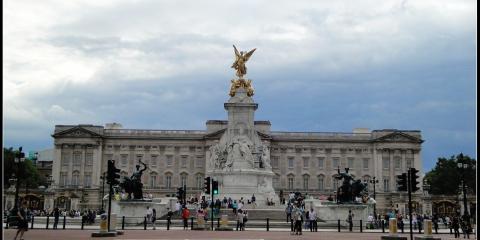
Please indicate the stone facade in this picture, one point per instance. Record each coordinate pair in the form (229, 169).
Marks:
(301, 161)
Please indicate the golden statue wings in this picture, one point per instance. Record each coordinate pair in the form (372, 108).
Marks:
(240, 59)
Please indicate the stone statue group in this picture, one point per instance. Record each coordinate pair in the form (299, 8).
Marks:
(350, 188)
(239, 148)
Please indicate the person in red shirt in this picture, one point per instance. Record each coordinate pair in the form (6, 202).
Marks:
(185, 216)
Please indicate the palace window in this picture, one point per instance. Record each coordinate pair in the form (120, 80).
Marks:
(386, 162)
(124, 159)
(409, 163)
(290, 162)
(365, 163)
(77, 158)
(350, 163)
(335, 183)
(88, 159)
(386, 185)
(321, 160)
(87, 180)
(199, 181)
(290, 182)
(200, 163)
(168, 180)
(75, 178)
(320, 182)
(275, 182)
(153, 161)
(306, 178)
(65, 159)
(398, 162)
(153, 180)
(183, 179)
(336, 162)
(184, 161)
(275, 161)
(169, 160)
(63, 179)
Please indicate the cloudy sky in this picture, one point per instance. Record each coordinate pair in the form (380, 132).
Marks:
(326, 66)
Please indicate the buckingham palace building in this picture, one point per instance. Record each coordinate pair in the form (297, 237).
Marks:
(306, 162)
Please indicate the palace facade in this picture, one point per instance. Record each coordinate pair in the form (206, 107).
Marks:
(302, 161)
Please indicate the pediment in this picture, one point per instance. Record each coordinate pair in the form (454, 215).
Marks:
(76, 132)
(398, 137)
(215, 135)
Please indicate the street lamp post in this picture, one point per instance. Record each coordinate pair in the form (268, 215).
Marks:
(374, 181)
(464, 166)
(103, 188)
(19, 159)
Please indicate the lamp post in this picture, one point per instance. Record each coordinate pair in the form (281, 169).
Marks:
(374, 181)
(103, 188)
(19, 159)
(463, 167)
(426, 188)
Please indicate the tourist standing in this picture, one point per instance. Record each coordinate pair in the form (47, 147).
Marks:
(56, 215)
(455, 226)
(185, 216)
(169, 216)
(298, 220)
(350, 220)
(149, 214)
(240, 219)
(313, 220)
(178, 208)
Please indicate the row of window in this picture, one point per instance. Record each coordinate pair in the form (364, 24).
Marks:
(320, 162)
(154, 160)
(75, 181)
(77, 159)
(397, 161)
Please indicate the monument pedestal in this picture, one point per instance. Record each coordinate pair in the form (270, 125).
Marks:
(135, 211)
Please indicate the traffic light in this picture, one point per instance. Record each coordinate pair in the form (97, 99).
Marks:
(413, 180)
(112, 173)
(180, 193)
(206, 185)
(402, 184)
(215, 187)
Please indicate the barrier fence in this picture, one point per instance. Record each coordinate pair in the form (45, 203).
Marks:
(139, 223)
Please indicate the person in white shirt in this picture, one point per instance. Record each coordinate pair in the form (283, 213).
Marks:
(313, 220)
(177, 208)
(149, 214)
(240, 205)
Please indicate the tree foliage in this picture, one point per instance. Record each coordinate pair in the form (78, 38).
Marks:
(26, 171)
(446, 177)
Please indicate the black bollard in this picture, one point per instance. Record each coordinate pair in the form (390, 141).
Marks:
(291, 225)
(83, 222)
(48, 220)
(268, 224)
(191, 223)
(218, 222)
(361, 226)
(383, 226)
(123, 223)
(338, 225)
(168, 223)
(316, 225)
(64, 221)
(6, 226)
(33, 219)
(238, 223)
(145, 223)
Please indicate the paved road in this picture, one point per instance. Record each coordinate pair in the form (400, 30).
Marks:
(201, 235)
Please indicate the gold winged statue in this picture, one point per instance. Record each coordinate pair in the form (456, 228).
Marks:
(240, 59)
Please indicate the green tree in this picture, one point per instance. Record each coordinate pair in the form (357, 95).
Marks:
(27, 171)
(446, 177)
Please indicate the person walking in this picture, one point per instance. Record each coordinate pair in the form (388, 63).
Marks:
(22, 222)
(350, 220)
(178, 208)
(298, 221)
(185, 216)
(169, 217)
(56, 215)
(288, 211)
(154, 217)
(455, 226)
